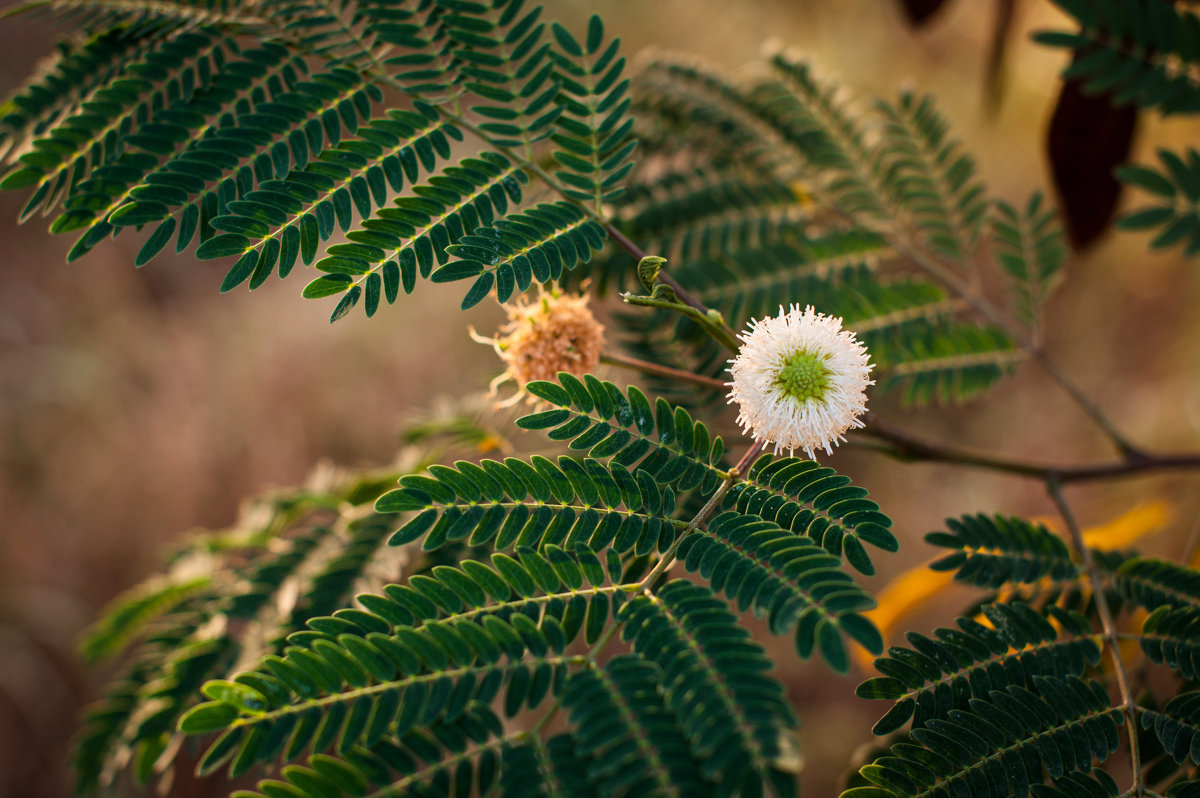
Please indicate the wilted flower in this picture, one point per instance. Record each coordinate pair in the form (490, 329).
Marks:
(799, 380)
(556, 332)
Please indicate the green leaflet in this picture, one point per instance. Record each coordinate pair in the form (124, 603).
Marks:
(1175, 192)
(1126, 44)
(712, 672)
(994, 551)
(935, 677)
(796, 585)
(625, 427)
(815, 502)
(664, 443)
(1151, 583)
(1031, 249)
(1000, 745)
(539, 244)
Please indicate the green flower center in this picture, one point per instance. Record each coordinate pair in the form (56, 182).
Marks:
(803, 376)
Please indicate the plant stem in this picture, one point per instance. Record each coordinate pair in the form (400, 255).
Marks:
(939, 272)
(910, 447)
(646, 367)
(619, 238)
(710, 321)
(1054, 488)
(707, 510)
(646, 583)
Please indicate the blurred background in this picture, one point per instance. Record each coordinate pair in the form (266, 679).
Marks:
(136, 405)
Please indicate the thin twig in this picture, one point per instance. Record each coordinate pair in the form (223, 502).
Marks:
(646, 583)
(1054, 488)
(707, 510)
(937, 271)
(905, 446)
(646, 367)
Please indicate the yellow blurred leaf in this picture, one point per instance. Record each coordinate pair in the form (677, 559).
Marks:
(1121, 532)
(918, 587)
(1127, 529)
(907, 593)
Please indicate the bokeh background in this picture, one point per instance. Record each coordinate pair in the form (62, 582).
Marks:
(136, 405)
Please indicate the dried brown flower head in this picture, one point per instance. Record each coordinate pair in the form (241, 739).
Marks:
(555, 332)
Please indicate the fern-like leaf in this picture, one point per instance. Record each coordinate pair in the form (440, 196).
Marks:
(930, 177)
(941, 674)
(539, 243)
(1030, 248)
(1136, 50)
(623, 695)
(1175, 189)
(796, 584)
(1097, 784)
(735, 718)
(594, 130)
(1169, 637)
(994, 551)
(817, 503)
(1000, 745)
(1151, 583)
(1177, 726)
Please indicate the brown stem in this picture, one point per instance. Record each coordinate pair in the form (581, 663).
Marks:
(710, 506)
(646, 367)
(905, 446)
(1054, 488)
(939, 272)
(621, 240)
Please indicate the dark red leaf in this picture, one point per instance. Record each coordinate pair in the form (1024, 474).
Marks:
(919, 11)
(1087, 139)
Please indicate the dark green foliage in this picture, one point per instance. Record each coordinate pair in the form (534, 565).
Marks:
(815, 502)
(1169, 637)
(1096, 784)
(248, 155)
(929, 176)
(940, 675)
(1177, 726)
(994, 551)
(509, 256)
(304, 648)
(623, 694)
(1184, 789)
(534, 504)
(794, 583)
(625, 427)
(452, 757)
(1129, 47)
(423, 654)
(1175, 192)
(693, 697)
(1000, 745)
(594, 132)
(79, 67)
(734, 716)
(948, 362)
(1151, 583)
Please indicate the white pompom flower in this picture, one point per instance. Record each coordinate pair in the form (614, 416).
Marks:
(800, 381)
